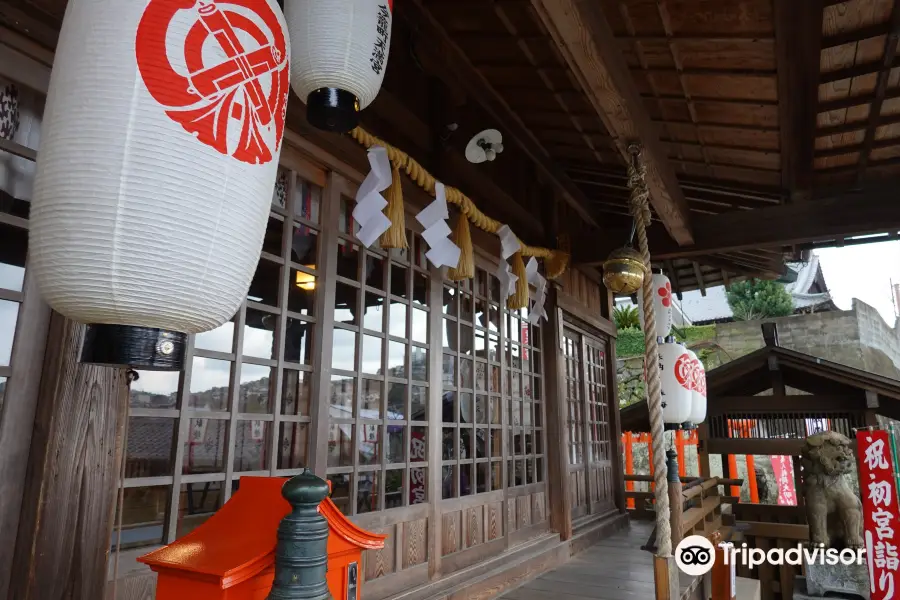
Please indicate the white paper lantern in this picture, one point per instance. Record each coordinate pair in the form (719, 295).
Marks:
(161, 136)
(340, 56)
(662, 305)
(675, 379)
(698, 391)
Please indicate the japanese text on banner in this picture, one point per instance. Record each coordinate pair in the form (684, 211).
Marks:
(880, 518)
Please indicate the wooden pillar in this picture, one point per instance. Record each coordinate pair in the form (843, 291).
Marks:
(70, 494)
(557, 430)
(616, 425)
(679, 450)
(702, 452)
(665, 578)
(751, 479)
(629, 465)
(732, 474)
(676, 500)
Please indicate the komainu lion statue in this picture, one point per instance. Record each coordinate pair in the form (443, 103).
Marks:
(833, 510)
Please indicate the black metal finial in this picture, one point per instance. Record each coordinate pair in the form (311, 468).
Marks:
(672, 465)
(301, 556)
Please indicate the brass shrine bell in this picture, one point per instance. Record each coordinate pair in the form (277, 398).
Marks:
(623, 271)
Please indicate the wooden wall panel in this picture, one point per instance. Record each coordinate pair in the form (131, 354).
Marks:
(583, 289)
(512, 522)
(415, 543)
(379, 563)
(494, 521)
(474, 532)
(523, 511)
(450, 539)
(538, 507)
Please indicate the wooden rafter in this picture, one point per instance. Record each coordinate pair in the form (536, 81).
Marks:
(585, 39)
(890, 55)
(859, 100)
(698, 273)
(479, 87)
(798, 42)
(856, 71)
(852, 213)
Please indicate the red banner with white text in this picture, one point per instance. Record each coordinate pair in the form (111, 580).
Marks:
(880, 517)
(783, 469)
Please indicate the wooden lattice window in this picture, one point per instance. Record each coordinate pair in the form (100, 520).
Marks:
(378, 408)
(524, 389)
(241, 406)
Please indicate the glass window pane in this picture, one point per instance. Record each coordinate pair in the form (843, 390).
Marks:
(343, 350)
(465, 373)
(369, 443)
(302, 293)
(151, 442)
(292, 445)
(367, 485)
(419, 326)
(154, 389)
(307, 198)
(255, 394)
(220, 339)
(373, 318)
(393, 488)
(304, 246)
(482, 404)
(465, 339)
(348, 260)
(480, 377)
(209, 384)
(204, 448)
(418, 444)
(466, 412)
(451, 305)
(265, 284)
(449, 370)
(12, 261)
(251, 445)
(346, 303)
(372, 361)
(466, 480)
(2, 392)
(274, 236)
(343, 392)
(279, 194)
(9, 314)
(370, 402)
(397, 318)
(448, 482)
(399, 283)
(419, 363)
(298, 342)
(397, 359)
(396, 444)
(197, 502)
(374, 275)
(450, 336)
(340, 445)
(419, 408)
(259, 334)
(496, 475)
(466, 308)
(340, 491)
(143, 516)
(397, 401)
(295, 392)
(421, 285)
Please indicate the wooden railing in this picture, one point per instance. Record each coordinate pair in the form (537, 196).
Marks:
(701, 508)
(765, 527)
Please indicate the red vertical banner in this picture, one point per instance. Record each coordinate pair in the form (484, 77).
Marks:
(783, 468)
(880, 518)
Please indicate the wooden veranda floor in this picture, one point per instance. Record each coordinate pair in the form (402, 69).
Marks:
(614, 569)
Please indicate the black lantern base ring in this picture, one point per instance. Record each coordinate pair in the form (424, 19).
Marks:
(332, 109)
(145, 348)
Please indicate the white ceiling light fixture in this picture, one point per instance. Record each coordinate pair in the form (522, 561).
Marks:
(485, 146)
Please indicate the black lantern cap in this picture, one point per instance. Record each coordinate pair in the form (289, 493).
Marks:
(137, 347)
(332, 109)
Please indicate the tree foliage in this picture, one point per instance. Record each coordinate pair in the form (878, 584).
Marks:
(759, 299)
(626, 317)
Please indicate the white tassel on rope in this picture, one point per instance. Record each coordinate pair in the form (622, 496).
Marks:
(442, 251)
(369, 211)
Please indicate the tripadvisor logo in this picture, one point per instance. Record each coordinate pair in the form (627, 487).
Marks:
(695, 555)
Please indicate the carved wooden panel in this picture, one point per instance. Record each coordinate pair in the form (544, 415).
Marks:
(379, 563)
(494, 521)
(523, 510)
(450, 528)
(415, 543)
(538, 507)
(474, 532)
(511, 521)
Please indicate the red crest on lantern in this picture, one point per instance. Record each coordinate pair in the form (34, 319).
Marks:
(229, 84)
(665, 293)
(684, 371)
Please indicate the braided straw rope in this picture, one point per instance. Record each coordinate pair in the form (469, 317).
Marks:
(555, 261)
(640, 210)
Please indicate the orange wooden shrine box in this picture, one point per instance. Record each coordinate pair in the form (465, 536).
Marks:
(232, 555)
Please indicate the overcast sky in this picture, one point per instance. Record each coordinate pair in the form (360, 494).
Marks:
(863, 272)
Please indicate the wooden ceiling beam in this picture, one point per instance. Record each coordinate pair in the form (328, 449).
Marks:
(798, 43)
(699, 275)
(678, 37)
(670, 141)
(851, 101)
(848, 214)
(585, 39)
(707, 71)
(448, 54)
(855, 35)
(854, 126)
(850, 149)
(708, 99)
(856, 71)
(890, 54)
(720, 125)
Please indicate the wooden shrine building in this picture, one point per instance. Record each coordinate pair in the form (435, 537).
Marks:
(485, 448)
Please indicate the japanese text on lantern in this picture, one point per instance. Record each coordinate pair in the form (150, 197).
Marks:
(417, 476)
(880, 519)
(379, 53)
